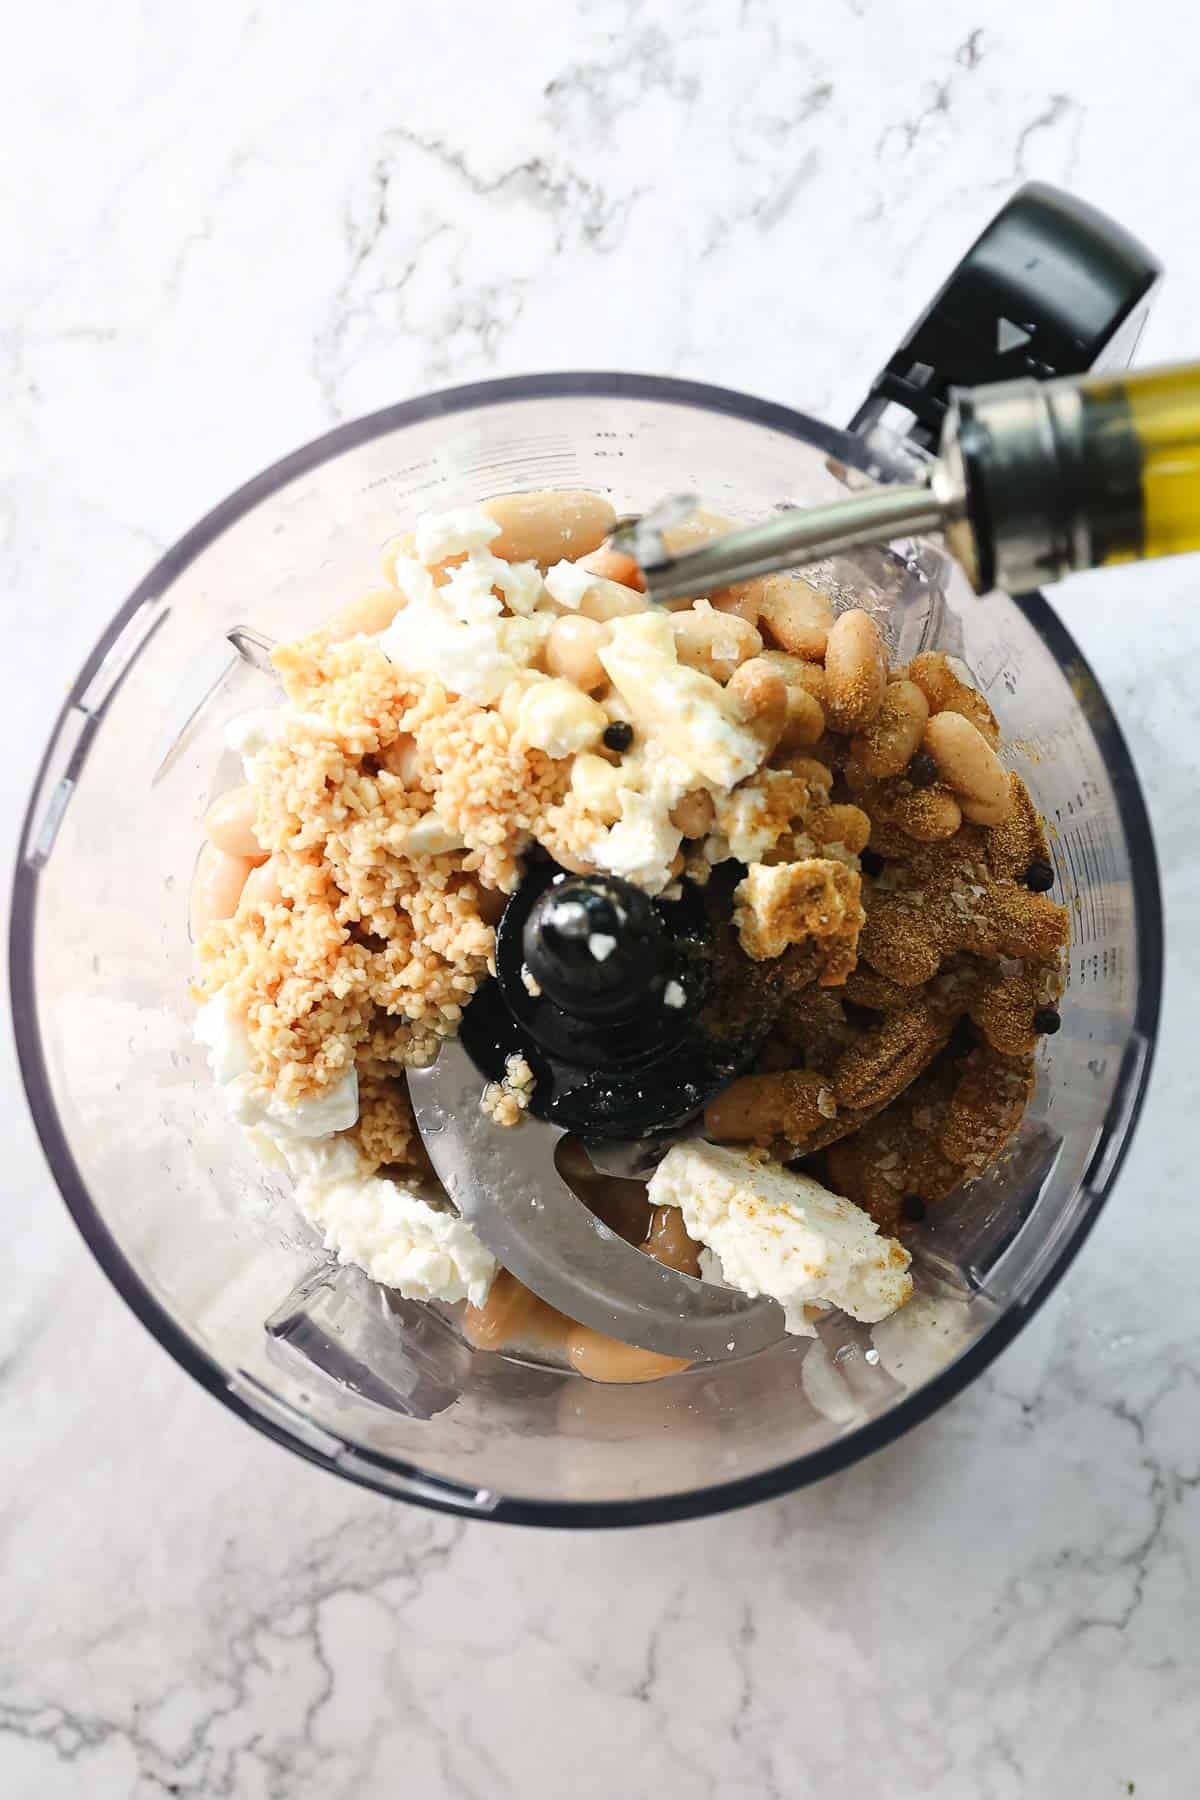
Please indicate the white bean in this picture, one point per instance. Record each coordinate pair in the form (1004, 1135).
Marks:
(573, 651)
(699, 528)
(262, 886)
(761, 697)
(549, 526)
(892, 739)
(946, 691)
(216, 888)
(614, 565)
(512, 1314)
(606, 600)
(969, 766)
(363, 617)
(740, 600)
(856, 672)
(793, 614)
(229, 824)
(601, 1358)
(715, 643)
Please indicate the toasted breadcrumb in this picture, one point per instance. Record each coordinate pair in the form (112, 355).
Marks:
(496, 796)
(386, 1132)
(506, 1102)
(374, 952)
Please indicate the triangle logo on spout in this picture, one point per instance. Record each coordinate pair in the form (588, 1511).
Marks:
(1010, 336)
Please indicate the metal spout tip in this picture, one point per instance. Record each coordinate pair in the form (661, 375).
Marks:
(790, 540)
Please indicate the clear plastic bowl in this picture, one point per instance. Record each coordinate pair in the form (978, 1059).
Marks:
(208, 1250)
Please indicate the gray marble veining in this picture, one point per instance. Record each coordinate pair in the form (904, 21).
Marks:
(228, 229)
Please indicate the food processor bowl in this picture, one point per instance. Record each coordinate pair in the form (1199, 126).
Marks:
(207, 1247)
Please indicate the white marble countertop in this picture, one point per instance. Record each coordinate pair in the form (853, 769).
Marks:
(227, 228)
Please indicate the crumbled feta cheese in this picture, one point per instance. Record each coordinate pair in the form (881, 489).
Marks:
(745, 824)
(395, 1236)
(642, 844)
(464, 528)
(752, 819)
(471, 587)
(523, 638)
(413, 579)
(467, 592)
(458, 632)
(568, 582)
(555, 717)
(336, 1158)
(223, 1035)
(520, 583)
(387, 1229)
(250, 733)
(601, 945)
(222, 1031)
(768, 1231)
(674, 996)
(638, 797)
(335, 1108)
(689, 715)
(572, 585)
(467, 659)
(450, 634)
(598, 785)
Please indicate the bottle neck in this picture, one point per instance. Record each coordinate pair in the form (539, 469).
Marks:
(1079, 473)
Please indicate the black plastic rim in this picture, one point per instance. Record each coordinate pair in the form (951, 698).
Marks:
(430, 1490)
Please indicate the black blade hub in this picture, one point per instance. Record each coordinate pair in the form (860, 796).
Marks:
(605, 993)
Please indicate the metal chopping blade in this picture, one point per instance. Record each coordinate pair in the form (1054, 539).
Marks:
(504, 1182)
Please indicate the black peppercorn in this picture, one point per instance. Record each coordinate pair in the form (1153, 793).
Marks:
(1046, 1021)
(913, 1208)
(872, 863)
(618, 736)
(922, 771)
(1039, 877)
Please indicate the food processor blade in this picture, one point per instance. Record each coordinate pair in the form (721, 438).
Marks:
(635, 1159)
(504, 1182)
